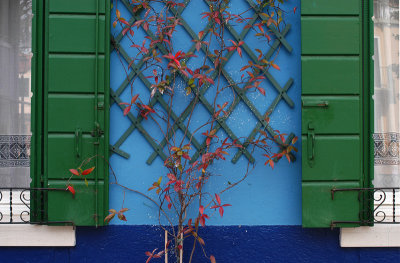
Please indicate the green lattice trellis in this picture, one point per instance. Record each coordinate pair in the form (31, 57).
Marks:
(221, 122)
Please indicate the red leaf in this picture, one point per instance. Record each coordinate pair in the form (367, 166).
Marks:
(239, 50)
(271, 163)
(74, 171)
(261, 90)
(202, 221)
(127, 110)
(146, 26)
(71, 189)
(221, 211)
(124, 31)
(212, 259)
(134, 98)
(186, 156)
(201, 209)
(275, 66)
(88, 171)
(218, 198)
(171, 177)
(294, 10)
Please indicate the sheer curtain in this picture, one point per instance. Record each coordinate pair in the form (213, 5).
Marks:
(15, 76)
(386, 98)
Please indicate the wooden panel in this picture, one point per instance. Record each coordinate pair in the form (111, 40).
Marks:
(66, 113)
(74, 73)
(330, 7)
(330, 35)
(79, 209)
(62, 154)
(75, 33)
(335, 158)
(319, 210)
(330, 75)
(75, 6)
(340, 116)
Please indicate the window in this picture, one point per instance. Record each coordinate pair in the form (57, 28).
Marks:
(15, 110)
(386, 133)
(15, 131)
(69, 73)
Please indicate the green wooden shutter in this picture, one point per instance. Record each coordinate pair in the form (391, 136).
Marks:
(335, 110)
(73, 101)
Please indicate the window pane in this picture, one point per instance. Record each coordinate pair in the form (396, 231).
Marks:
(15, 81)
(386, 98)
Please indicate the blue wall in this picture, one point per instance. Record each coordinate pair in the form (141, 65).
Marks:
(263, 225)
(229, 244)
(267, 197)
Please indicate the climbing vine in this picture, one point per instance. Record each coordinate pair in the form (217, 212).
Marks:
(181, 185)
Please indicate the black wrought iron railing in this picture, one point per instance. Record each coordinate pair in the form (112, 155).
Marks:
(385, 202)
(15, 205)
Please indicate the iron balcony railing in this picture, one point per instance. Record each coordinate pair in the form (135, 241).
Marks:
(15, 205)
(386, 205)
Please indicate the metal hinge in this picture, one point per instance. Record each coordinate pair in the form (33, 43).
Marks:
(97, 132)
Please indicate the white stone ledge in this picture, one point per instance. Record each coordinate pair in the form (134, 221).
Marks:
(384, 235)
(26, 235)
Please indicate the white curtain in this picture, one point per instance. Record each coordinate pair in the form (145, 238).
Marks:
(386, 98)
(15, 77)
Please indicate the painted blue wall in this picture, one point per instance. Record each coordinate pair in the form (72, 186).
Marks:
(267, 197)
(229, 244)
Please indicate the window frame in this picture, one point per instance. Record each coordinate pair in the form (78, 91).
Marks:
(27, 234)
(378, 235)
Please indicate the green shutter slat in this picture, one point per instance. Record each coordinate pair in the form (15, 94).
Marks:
(79, 209)
(331, 114)
(321, 210)
(75, 33)
(75, 92)
(62, 154)
(330, 35)
(333, 107)
(335, 158)
(66, 112)
(74, 73)
(330, 7)
(76, 6)
(330, 75)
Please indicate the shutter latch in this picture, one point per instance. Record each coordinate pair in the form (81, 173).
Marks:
(310, 144)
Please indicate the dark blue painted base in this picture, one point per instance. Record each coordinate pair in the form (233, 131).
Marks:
(228, 244)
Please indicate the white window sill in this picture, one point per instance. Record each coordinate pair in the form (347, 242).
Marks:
(376, 236)
(37, 236)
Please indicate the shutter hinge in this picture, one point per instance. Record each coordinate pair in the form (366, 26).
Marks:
(97, 132)
(100, 105)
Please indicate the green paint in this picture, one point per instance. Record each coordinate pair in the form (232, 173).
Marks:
(329, 7)
(71, 109)
(330, 35)
(336, 116)
(330, 75)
